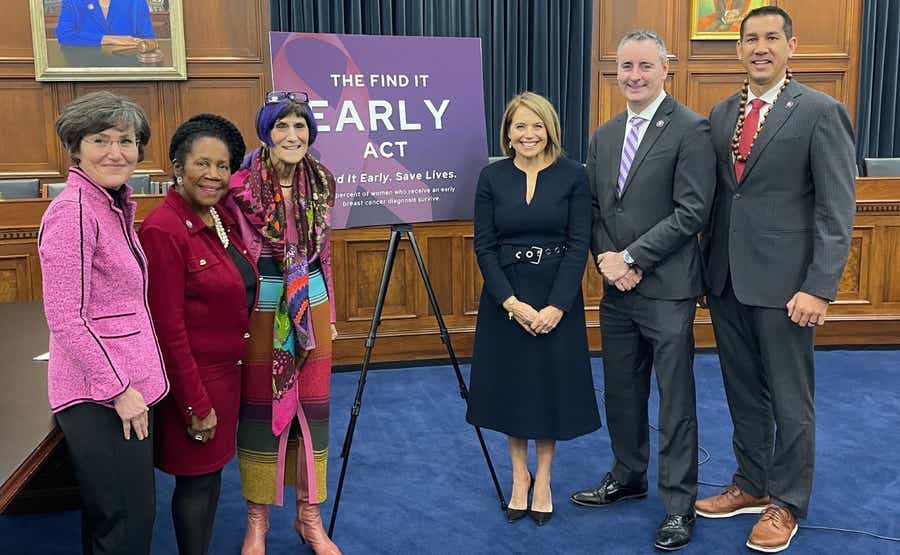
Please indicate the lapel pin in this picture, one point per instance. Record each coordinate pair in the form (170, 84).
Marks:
(790, 104)
(660, 123)
(90, 6)
(189, 224)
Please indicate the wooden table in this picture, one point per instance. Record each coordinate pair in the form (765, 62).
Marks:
(28, 431)
(59, 55)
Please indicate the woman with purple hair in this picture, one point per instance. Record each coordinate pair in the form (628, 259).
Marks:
(281, 199)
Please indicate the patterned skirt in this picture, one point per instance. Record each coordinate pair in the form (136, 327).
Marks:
(268, 462)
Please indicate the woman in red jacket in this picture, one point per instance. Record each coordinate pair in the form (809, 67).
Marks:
(202, 288)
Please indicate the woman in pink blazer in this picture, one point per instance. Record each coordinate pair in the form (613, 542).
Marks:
(106, 368)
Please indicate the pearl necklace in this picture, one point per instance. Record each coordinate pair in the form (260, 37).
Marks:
(220, 229)
(736, 138)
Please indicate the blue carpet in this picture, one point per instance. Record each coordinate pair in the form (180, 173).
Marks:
(417, 482)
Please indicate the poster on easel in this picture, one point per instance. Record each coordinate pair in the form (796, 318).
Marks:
(400, 121)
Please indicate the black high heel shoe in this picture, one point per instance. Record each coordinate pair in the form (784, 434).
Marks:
(513, 515)
(540, 517)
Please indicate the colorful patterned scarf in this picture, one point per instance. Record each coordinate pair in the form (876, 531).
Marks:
(261, 201)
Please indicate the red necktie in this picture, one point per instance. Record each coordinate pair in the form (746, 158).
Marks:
(748, 130)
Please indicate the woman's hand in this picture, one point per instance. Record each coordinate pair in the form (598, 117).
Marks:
(546, 320)
(523, 313)
(132, 409)
(203, 427)
(334, 332)
(119, 40)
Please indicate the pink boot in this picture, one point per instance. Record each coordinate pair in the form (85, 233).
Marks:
(309, 520)
(257, 527)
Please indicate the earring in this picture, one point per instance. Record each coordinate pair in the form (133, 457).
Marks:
(510, 145)
(178, 180)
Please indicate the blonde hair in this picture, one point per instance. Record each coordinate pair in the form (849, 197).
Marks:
(545, 111)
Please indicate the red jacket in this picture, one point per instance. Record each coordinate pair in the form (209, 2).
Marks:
(199, 308)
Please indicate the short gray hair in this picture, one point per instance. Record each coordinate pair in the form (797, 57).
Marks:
(98, 111)
(642, 35)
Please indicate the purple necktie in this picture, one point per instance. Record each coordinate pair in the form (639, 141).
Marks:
(628, 152)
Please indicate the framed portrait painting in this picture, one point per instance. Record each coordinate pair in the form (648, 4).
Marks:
(102, 40)
(720, 19)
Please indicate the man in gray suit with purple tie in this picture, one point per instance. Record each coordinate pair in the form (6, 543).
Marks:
(652, 175)
(778, 240)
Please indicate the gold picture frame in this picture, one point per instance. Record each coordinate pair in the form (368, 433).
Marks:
(720, 19)
(71, 43)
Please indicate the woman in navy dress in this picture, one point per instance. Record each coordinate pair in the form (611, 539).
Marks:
(531, 373)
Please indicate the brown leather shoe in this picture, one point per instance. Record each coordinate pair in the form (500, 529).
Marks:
(774, 531)
(733, 501)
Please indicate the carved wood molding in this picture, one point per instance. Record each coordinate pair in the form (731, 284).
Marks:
(18, 234)
(878, 206)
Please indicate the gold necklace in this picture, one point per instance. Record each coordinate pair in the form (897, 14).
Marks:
(738, 128)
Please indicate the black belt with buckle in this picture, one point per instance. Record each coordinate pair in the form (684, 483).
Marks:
(511, 254)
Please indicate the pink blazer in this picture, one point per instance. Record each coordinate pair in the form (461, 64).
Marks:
(95, 299)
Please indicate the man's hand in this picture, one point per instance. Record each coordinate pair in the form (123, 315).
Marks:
(629, 281)
(612, 265)
(807, 310)
(546, 320)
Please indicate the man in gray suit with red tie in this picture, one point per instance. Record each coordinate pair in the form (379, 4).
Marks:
(652, 175)
(777, 244)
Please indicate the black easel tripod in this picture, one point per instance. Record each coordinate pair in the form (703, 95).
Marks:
(397, 230)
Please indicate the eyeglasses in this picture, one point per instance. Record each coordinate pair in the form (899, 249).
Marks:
(103, 142)
(280, 96)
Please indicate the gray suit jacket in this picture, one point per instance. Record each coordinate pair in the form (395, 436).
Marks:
(786, 226)
(666, 202)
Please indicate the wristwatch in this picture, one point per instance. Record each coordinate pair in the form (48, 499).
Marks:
(627, 257)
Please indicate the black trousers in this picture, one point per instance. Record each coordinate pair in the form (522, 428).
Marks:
(194, 511)
(769, 374)
(639, 334)
(116, 480)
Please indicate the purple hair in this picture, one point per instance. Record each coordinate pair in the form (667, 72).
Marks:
(272, 112)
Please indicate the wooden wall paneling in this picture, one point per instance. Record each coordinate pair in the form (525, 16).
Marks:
(618, 18)
(237, 98)
(365, 262)
(830, 83)
(724, 51)
(15, 34)
(14, 282)
(592, 287)
(705, 90)
(890, 293)
(472, 278)
(439, 257)
(149, 96)
(823, 32)
(854, 285)
(217, 31)
(30, 147)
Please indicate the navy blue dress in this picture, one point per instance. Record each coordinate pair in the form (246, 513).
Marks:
(535, 387)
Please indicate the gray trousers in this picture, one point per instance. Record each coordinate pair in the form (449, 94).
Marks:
(639, 334)
(769, 374)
